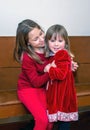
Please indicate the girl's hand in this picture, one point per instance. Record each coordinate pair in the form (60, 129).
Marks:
(74, 66)
(47, 67)
(53, 64)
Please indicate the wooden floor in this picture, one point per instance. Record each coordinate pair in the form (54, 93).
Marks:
(82, 124)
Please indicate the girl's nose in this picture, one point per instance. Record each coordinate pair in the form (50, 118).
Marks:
(56, 43)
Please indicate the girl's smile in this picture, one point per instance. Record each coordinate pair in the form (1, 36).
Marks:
(56, 44)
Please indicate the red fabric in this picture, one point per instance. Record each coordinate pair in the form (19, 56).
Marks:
(32, 73)
(61, 93)
(35, 101)
(31, 90)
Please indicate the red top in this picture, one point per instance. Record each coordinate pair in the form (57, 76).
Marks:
(32, 73)
(61, 94)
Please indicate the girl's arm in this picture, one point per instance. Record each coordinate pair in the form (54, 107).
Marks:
(59, 72)
(74, 66)
(36, 79)
(63, 66)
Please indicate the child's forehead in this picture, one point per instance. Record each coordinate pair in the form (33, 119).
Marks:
(57, 35)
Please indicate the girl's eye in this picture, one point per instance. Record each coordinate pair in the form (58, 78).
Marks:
(52, 40)
(35, 39)
(60, 40)
(41, 33)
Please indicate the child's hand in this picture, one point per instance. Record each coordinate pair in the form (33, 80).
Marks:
(53, 64)
(47, 67)
(74, 66)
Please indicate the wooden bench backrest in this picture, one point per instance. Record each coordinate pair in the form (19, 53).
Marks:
(9, 69)
(81, 48)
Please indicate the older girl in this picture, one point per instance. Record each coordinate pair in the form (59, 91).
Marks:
(29, 51)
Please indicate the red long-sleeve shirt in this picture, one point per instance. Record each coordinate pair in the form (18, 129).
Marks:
(32, 73)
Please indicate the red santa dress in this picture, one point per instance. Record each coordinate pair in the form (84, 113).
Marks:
(61, 93)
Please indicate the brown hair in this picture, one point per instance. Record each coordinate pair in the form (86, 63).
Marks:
(57, 30)
(21, 45)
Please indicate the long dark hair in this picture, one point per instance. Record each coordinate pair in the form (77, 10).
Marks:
(21, 45)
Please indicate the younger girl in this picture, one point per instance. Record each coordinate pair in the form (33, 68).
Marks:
(61, 93)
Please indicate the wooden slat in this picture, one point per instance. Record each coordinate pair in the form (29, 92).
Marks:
(8, 97)
(84, 100)
(82, 75)
(80, 46)
(10, 105)
(6, 52)
(83, 94)
(8, 78)
(12, 110)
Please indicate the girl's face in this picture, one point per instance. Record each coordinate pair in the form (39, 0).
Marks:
(36, 39)
(56, 43)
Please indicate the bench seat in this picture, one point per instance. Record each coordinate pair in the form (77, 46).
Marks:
(11, 109)
(83, 94)
(10, 106)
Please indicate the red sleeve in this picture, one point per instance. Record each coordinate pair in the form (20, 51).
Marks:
(62, 61)
(31, 72)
